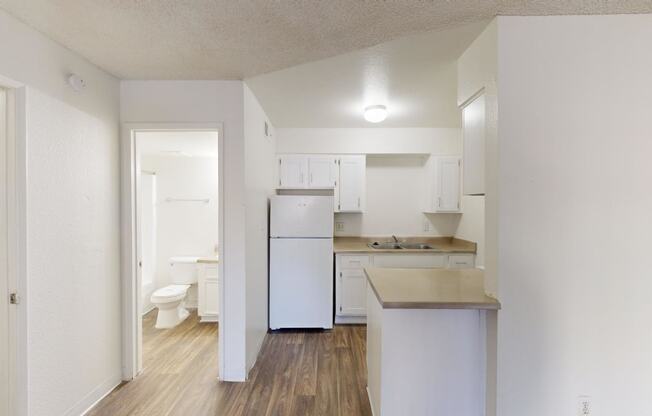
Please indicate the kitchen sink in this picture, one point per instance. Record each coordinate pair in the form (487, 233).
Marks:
(415, 246)
(390, 245)
(385, 246)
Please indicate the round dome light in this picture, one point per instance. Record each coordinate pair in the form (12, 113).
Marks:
(375, 113)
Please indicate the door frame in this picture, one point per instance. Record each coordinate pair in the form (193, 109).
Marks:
(131, 315)
(13, 153)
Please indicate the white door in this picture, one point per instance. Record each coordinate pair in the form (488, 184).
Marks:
(449, 184)
(301, 283)
(147, 198)
(301, 216)
(473, 131)
(293, 171)
(4, 264)
(322, 171)
(352, 183)
(352, 293)
(139, 258)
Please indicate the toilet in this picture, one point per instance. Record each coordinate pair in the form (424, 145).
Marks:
(169, 300)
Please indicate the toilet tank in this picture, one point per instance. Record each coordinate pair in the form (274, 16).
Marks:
(183, 270)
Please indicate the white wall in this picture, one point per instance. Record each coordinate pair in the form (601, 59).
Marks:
(376, 140)
(202, 102)
(471, 225)
(575, 223)
(477, 71)
(73, 297)
(260, 160)
(395, 193)
(184, 228)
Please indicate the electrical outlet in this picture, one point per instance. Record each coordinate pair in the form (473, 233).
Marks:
(584, 406)
(426, 225)
(339, 226)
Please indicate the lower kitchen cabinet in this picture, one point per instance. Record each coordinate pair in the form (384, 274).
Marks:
(208, 292)
(353, 287)
(351, 282)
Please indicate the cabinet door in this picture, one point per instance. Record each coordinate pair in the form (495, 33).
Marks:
(473, 131)
(208, 295)
(461, 261)
(321, 171)
(293, 171)
(352, 293)
(410, 261)
(352, 183)
(448, 176)
(211, 301)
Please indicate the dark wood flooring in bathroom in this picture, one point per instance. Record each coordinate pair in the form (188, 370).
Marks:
(297, 373)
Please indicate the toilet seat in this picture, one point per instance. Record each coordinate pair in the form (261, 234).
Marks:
(171, 293)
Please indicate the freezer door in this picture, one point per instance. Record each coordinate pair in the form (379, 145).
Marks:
(301, 216)
(301, 283)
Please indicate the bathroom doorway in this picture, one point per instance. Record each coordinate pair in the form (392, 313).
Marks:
(175, 264)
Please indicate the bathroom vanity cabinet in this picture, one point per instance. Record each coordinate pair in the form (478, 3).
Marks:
(208, 291)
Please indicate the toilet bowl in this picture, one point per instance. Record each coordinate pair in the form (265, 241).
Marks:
(169, 300)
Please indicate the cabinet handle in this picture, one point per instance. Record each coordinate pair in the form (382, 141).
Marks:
(311, 178)
(358, 202)
(439, 202)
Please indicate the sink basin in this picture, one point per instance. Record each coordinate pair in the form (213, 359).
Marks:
(416, 246)
(385, 246)
(390, 245)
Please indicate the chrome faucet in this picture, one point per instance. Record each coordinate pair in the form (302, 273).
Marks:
(395, 239)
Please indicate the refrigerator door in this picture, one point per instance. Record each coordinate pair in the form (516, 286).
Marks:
(301, 216)
(301, 283)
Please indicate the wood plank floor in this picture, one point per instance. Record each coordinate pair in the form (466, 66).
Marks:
(297, 373)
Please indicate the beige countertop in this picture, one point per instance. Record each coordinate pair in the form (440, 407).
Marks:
(430, 289)
(440, 245)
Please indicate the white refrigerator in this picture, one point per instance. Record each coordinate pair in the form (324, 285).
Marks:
(301, 262)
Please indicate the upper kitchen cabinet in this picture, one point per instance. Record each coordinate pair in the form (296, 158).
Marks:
(473, 131)
(344, 174)
(351, 186)
(307, 171)
(442, 185)
(293, 171)
(322, 171)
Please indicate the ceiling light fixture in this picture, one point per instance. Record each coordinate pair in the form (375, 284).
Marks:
(375, 113)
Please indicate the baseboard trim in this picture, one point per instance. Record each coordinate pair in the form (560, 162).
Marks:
(350, 320)
(371, 404)
(209, 318)
(91, 399)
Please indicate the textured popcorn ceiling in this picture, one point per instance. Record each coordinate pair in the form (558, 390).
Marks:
(221, 39)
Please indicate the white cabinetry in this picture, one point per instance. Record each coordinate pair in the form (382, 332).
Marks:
(322, 171)
(351, 288)
(344, 174)
(307, 171)
(208, 292)
(442, 184)
(351, 188)
(293, 171)
(351, 281)
(473, 130)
